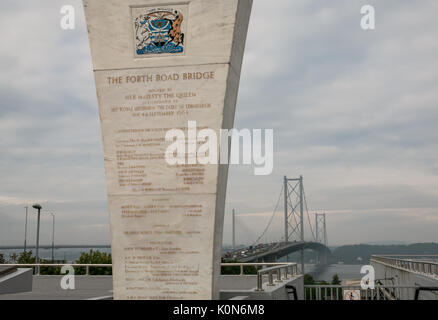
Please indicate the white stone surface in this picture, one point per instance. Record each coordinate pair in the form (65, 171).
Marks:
(166, 221)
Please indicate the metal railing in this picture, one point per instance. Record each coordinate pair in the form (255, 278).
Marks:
(38, 266)
(281, 270)
(338, 292)
(287, 268)
(416, 265)
(256, 264)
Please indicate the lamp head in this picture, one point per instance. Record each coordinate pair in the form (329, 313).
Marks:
(37, 206)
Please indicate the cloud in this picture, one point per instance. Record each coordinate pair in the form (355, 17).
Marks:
(354, 112)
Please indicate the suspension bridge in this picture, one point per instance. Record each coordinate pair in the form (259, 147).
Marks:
(293, 239)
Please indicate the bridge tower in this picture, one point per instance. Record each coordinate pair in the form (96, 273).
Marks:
(321, 233)
(320, 228)
(294, 212)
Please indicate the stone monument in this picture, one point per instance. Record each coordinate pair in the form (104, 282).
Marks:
(160, 65)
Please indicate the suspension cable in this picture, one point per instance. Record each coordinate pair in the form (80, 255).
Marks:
(308, 217)
(271, 219)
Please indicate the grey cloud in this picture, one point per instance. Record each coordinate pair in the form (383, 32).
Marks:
(353, 111)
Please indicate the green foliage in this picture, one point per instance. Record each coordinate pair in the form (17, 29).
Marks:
(247, 270)
(94, 257)
(91, 257)
(13, 258)
(335, 280)
(326, 293)
(26, 257)
(308, 280)
(49, 270)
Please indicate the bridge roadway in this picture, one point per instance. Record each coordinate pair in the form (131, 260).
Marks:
(274, 251)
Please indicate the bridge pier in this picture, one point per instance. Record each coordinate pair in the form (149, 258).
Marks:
(270, 259)
(322, 258)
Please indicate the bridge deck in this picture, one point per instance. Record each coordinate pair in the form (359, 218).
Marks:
(277, 250)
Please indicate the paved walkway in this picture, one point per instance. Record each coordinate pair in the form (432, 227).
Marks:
(100, 287)
(49, 288)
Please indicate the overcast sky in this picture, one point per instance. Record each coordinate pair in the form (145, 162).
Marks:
(353, 111)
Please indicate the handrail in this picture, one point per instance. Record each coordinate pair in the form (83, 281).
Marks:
(286, 267)
(418, 266)
(227, 264)
(406, 255)
(37, 266)
(274, 267)
(380, 292)
(254, 264)
(354, 286)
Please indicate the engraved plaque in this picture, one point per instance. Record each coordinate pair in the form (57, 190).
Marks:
(159, 66)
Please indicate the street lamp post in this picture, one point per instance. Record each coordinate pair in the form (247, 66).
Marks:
(53, 237)
(25, 232)
(38, 207)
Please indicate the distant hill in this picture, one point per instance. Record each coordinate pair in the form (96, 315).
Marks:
(349, 254)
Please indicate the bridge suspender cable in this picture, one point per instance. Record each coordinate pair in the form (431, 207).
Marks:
(308, 217)
(275, 211)
(271, 219)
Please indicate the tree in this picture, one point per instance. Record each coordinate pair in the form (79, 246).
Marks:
(25, 257)
(95, 257)
(13, 258)
(235, 270)
(308, 280)
(2, 258)
(335, 280)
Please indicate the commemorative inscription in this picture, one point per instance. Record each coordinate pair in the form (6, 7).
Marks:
(138, 110)
(174, 230)
(157, 69)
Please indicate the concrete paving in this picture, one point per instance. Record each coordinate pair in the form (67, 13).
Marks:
(100, 287)
(49, 288)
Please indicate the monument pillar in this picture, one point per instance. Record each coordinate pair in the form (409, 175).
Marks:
(163, 65)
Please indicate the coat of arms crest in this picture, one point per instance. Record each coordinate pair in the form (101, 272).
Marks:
(159, 31)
